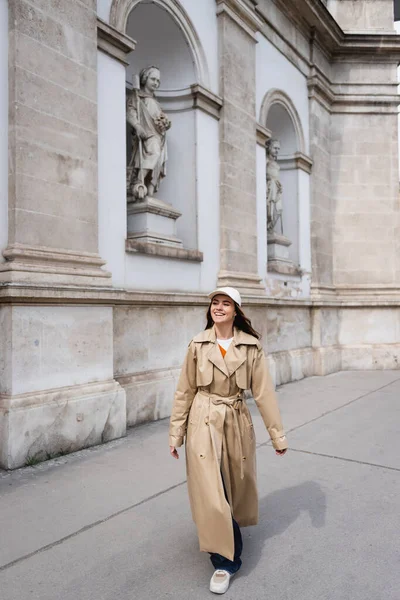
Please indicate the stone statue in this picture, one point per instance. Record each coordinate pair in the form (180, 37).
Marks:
(274, 186)
(147, 166)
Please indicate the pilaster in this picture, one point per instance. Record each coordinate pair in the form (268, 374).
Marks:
(238, 24)
(52, 212)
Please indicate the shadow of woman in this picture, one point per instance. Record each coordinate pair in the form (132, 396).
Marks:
(277, 512)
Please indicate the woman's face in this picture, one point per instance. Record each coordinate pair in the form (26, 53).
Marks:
(222, 309)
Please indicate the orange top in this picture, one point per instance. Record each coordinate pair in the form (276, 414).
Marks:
(223, 351)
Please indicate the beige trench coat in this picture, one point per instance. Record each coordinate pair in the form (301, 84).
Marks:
(210, 411)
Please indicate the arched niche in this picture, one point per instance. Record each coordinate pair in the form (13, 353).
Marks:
(166, 38)
(280, 117)
(286, 117)
(121, 13)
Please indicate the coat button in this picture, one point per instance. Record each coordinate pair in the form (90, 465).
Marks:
(206, 421)
(244, 458)
(202, 455)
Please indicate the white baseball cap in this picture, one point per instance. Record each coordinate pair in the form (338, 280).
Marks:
(227, 291)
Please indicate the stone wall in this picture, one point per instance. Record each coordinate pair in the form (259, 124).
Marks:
(238, 207)
(52, 139)
(321, 197)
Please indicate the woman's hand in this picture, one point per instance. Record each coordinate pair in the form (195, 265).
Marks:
(174, 452)
(281, 452)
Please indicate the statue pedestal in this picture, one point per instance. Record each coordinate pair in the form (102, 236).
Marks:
(152, 221)
(278, 255)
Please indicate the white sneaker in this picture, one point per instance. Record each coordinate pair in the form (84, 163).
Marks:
(220, 581)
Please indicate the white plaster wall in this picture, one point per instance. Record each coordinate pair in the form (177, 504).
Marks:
(261, 212)
(290, 217)
(3, 126)
(304, 229)
(202, 14)
(273, 70)
(103, 9)
(112, 165)
(207, 182)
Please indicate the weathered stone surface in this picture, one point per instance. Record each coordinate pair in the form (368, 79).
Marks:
(356, 15)
(237, 148)
(47, 424)
(57, 346)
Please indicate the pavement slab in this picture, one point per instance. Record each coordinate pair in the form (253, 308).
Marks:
(114, 522)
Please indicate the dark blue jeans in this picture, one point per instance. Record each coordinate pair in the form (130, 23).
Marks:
(220, 562)
(232, 566)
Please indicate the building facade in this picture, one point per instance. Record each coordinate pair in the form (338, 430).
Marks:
(100, 293)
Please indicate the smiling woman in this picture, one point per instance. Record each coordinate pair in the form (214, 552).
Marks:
(210, 411)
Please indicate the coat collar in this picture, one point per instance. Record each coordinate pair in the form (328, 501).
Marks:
(239, 337)
(236, 354)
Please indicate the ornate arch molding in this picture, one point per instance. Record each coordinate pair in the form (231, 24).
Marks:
(121, 9)
(276, 96)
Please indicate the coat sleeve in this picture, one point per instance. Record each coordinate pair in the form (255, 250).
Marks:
(184, 396)
(264, 395)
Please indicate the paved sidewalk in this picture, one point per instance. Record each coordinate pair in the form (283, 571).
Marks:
(113, 522)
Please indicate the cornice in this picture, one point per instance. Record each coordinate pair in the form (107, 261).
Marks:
(114, 43)
(196, 96)
(263, 134)
(321, 296)
(313, 19)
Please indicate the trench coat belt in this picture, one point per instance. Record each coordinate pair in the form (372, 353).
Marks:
(232, 403)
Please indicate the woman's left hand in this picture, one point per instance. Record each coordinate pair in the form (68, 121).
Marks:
(281, 452)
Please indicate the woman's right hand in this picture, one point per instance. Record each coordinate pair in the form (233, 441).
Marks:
(174, 452)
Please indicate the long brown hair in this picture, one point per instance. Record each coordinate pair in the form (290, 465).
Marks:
(241, 322)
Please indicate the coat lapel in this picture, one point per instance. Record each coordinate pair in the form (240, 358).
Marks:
(235, 357)
(214, 355)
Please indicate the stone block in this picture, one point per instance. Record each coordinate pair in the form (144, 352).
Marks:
(51, 32)
(56, 199)
(5, 349)
(55, 167)
(327, 360)
(73, 13)
(62, 233)
(330, 322)
(365, 15)
(355, 255)
(46, 424)
(149, 338)
(293, 365)
(288, 328)
(55, 134)
(58, 346)
(369, 326)
(34, 91)
(238, 261)
(238, 158)
(150, 396)
(237, 239)
(60, 70)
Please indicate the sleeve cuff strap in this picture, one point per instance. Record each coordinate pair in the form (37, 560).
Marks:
(280, 443)
(175, 441)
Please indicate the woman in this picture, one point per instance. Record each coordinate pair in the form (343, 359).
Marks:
(209, 409)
